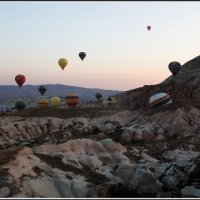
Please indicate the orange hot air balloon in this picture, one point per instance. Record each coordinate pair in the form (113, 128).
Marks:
(72, 99)
(149, 28)
(20, 79)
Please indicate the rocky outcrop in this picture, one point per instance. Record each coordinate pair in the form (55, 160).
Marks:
(162, 125)
(30, 131)
(184, 89)
(88, 168)
(127, 127)
(77, 168)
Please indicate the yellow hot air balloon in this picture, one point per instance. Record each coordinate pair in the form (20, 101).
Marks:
(62, 62)
(55, 101)
(43, 102)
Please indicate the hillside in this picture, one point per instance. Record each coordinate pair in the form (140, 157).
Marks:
(9, 93)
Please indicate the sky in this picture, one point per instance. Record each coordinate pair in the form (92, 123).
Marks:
(121, 54)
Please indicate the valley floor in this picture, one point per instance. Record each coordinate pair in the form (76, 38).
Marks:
(95, 152)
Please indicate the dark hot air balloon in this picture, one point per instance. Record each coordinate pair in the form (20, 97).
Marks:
(20, 79)
(98, 96)
(42, 89)
(82, 55)
(174, 67)
(108, 101)
(148, 28)
(20, 105)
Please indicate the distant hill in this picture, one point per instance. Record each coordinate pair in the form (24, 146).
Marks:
(9, 93)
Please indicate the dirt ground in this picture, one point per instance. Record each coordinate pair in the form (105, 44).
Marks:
(64, 112)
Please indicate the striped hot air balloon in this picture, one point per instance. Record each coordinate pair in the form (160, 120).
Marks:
(108, 101)
(174, 67)
(43, 102)
(159, 99)
(72, 99)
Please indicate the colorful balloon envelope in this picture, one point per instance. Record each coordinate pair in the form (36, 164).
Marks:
(82, 55)
(55, 101)
(159, 99)
(174, 67)
(108, 101)
(20, 80)
(42, 89)
(43, 102)
(62, 62)
(20, 105)
(72, 99)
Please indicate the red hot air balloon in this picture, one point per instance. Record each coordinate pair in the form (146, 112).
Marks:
(149, 28)
(20, 79)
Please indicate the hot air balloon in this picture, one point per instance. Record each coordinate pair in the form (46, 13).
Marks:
(82, 55)
(20, 79)
(55, 101)
(98, 96)
(4, 108)
(62, 62)
(43, 102)
(148, 28)
(159, 99)
(174, 67)
(108, 101)
(42, 89)
(72, 99)
(20, 105)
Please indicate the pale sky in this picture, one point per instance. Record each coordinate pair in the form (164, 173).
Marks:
(121, 53)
